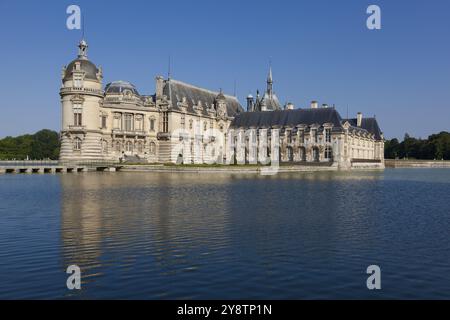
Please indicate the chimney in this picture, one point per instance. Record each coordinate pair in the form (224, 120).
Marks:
(314, 104)
(250, 102)
(289, 106)
(324, 105)
(159, 86)
(359, 119)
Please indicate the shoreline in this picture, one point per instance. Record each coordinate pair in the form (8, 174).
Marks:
(394, 163)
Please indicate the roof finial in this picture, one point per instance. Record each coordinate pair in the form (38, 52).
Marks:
(270, 79)
(82, 49)
(169, 69)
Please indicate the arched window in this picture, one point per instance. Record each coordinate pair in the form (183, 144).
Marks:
(77, 144)
(104, 146)
(328, 153)
(302, 155)
(152, 148)
(129, 146)
(315, 154)
(139, 147)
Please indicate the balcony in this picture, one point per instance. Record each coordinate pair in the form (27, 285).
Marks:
(128, 132)
(73, 90)
(77, 128)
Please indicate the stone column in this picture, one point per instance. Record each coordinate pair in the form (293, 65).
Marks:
(275, 147)
(262, 147)
(229, 148)
(253, 147)
(240, 147)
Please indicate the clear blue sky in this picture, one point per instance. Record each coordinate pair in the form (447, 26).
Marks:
(320, 50)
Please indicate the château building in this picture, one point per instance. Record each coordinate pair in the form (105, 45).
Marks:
(183, 123)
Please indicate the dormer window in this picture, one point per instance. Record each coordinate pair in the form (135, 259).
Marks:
(77, 80)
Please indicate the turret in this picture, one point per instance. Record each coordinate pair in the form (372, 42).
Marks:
(250, 103)
(81, 94)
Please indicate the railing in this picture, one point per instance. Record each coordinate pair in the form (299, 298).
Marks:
(58, 163)
(80, 89)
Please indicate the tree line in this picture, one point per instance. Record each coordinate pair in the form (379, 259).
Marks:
(44, 144)
(436, 147)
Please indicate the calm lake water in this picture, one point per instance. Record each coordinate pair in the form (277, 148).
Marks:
(225, 236)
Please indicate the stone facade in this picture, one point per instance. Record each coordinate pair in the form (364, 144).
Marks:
(182, 123)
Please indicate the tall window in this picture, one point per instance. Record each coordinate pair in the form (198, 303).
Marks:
(205, 126)
(289, 136)
(190, 124)
(104, 146)
(77, 80)
(328, 153)
(152, 124)
(118, 146)
(139, 126)
(152, 148)
(77, 144)
(103, 122)
(128, 122)
(183, 121)
(165, 127)
(129, 146)
(327, 135)
(314, 135)
(77, 115)
(302, 136)
(117, 122)
(139, 147)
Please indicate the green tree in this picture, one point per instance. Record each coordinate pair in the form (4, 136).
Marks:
(41, 145)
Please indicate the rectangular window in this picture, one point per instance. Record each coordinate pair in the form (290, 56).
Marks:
(182, 121)
(77, 115)
(139, 123)
(77, 81)
(128, 122)
(165, 127)
(103, 122)
(152, 124)
(327, 135)
(314, 135)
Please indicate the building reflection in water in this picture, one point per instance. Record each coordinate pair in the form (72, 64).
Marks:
(118, 225)
(106, 217)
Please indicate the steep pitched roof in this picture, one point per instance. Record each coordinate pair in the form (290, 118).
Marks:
(175, 90)
(288, 118)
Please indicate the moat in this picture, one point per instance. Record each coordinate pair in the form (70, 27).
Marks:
(233, 236)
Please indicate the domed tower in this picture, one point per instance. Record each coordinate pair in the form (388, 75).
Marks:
(81, 96)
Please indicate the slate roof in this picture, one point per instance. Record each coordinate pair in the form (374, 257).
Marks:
(288, 118)
(175, 91)
(120, 86)
(87, 66)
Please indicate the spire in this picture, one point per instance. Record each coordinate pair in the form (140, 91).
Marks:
(82, 49)
(270, 81)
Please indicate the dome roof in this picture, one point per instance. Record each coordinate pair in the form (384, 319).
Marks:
(120, 86)
(87, 66)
